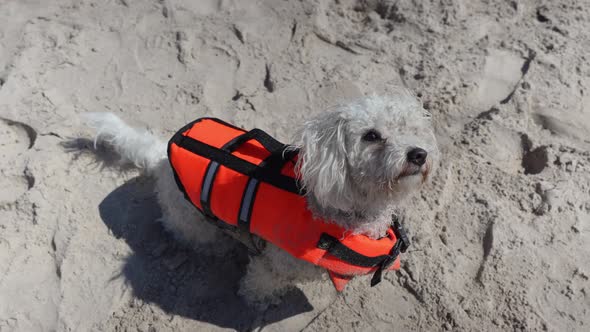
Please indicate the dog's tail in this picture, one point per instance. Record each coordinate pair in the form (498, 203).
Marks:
(137, 146)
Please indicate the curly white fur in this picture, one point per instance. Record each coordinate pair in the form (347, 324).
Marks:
(350, 181)
(138, 147)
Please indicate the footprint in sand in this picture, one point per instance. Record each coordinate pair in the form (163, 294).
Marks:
(501, 73)
(218, 67)
(497, 145)
(15, 139)
(573, 123)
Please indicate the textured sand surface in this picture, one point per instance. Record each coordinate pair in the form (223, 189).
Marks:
(501, 235)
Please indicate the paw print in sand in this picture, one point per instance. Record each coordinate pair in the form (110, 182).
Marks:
(15, 179)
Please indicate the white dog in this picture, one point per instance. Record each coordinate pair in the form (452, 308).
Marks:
(356, 162)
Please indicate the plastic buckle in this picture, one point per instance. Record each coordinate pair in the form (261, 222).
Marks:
(386, 263)
(401, 235)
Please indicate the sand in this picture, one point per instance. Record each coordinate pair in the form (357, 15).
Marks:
(501, 236)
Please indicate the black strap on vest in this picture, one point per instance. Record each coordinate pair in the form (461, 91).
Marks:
(269, 142)
(248, 198)
(335, 248)
(211, 173)
(269, 170)
(344, 253)
(225, 158)
(279, 152)
(272, 164)
(207, 187)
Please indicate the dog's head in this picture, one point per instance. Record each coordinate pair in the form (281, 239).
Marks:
(373, 151)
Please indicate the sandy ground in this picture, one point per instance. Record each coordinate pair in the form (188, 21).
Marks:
(501, 235)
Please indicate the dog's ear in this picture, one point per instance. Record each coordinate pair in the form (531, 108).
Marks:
(322, 164)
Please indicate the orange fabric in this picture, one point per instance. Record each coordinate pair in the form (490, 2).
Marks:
(278, 216)
(190, 167)
(339, 281)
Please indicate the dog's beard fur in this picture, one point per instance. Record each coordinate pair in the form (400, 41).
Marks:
(351, 181)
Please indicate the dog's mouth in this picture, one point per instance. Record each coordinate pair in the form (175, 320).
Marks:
(412, 169)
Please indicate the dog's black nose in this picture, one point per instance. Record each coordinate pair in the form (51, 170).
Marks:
(417, 156)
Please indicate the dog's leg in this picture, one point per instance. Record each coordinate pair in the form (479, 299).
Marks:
(271, 274)
(182, 219)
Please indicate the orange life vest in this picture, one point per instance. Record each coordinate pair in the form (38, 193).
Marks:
(246, 181)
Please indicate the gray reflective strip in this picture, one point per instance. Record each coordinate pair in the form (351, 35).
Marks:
(247, 200)
(206, 189)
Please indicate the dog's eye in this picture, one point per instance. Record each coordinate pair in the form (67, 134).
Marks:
(372, 136)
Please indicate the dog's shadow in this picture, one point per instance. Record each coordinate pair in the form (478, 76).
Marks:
(181, 281)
